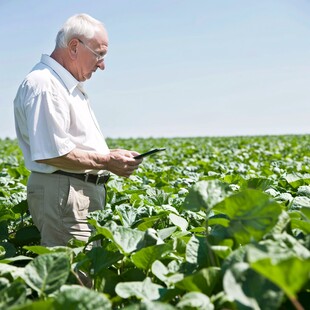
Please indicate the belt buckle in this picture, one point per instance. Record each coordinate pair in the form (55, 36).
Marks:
(105, 178)
(98, 179)
(86, 177)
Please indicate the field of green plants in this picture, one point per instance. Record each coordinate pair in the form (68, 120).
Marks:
(211, 223)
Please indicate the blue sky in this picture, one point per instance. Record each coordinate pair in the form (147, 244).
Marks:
(176, 67)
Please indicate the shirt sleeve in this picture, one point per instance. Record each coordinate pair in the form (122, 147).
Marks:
(48, 122)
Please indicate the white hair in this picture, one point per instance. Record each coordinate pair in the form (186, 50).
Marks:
(77, 26)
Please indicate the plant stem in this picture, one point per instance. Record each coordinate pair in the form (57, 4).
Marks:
(296, 303)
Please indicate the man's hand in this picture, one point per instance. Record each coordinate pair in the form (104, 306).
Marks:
(122, 162)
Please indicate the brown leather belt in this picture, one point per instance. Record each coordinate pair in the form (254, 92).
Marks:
(86, 177)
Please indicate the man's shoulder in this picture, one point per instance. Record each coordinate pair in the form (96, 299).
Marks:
(39, 75)
(40, 79)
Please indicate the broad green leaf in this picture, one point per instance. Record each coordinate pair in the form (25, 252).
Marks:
(46, 273)
(290, 274)
(279, 249)
(306, 212)
(13, 271)
(169, 209)
(300, 202)
(2, 252)
(221, 251)
(39, 249)
(150, 305)
(195, 300)
(199, 252)
(165, 275)
(126, 239)
(10, 249)
(178, 221)
(145, 290)
(222, 301)
(301, 225)
(15, 259)
(100, 259)
(106, 280)
(75, 297)
(6, 213)
(13, 295)
(304, 191)
(284, 198)
(252, 214)
(21, 207)
(275, 260)
(27, 235)
(298, 179)
(150, 238)
(198, 230)
(249, 289)
(236, 256)
(203, 281)
(47, 304)
(282, 223)
(127, 214)
(4, 283)
(259, 183)
(145, 257)
(149, 222)
(205, 194)
(103, 230)
(219, 219)
(166, 232)
(4, 232)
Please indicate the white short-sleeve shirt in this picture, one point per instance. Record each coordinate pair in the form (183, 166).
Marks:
(53, 116)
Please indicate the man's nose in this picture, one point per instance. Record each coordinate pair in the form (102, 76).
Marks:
(101, 65)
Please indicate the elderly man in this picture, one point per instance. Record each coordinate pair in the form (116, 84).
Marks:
(60, 138)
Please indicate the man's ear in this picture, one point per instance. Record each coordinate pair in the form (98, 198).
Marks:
(73, 48)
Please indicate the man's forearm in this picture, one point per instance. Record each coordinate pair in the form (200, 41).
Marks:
(78, 160)
(119, 162)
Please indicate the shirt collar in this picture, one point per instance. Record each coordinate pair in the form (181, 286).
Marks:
(67, 78)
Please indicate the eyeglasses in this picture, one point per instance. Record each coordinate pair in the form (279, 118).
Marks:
(98, 56)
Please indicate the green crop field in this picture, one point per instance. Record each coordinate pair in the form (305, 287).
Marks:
(211, 223)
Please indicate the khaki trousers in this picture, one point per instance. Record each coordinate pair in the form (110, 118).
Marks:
(59, 206)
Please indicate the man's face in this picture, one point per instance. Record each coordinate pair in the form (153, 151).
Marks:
(90, 55)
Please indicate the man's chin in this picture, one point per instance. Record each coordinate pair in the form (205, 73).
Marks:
(85, 77)
(88, 76)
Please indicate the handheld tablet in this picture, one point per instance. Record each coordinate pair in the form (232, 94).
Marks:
(149, 153)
